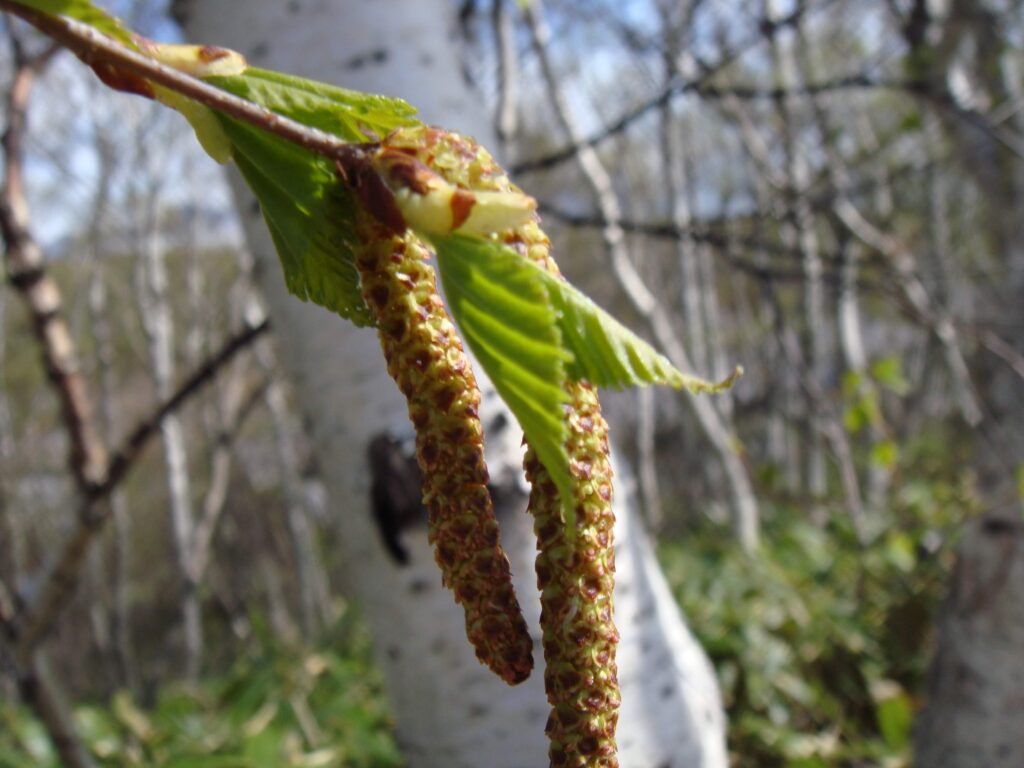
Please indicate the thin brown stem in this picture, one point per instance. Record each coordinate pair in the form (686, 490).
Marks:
(94, 48)
(62, 580)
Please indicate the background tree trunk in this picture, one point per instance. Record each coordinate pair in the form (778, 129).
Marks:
(973, 715)
(450, 710)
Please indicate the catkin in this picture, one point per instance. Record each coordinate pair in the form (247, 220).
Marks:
(575, 573)
(425, 358)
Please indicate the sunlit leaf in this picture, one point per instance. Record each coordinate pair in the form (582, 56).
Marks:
(894, 712)
(531, 329)
(85, 12)
(505, 314)
(309, 218)
(349, 114)
(888, 371)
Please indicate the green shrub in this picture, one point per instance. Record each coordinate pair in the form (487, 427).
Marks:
(820, 643)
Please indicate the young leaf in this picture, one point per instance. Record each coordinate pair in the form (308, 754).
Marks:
(349, 114)
(309, 214)
(85, 12)
(505, 315)
(599, 349)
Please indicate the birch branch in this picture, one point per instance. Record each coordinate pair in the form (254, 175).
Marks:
(507, 117)
(61, 582)
(667, 94)
(213, 502)
(915, 294)
(95, 48)
(87, 457)
(27, 274)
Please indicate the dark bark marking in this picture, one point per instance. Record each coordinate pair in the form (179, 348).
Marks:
(395, 496)
(375, 57)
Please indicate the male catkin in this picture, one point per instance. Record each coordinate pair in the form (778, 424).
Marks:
(425, 358)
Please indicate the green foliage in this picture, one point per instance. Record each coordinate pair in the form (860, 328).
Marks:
(308, 217)
(820, 643)
(308, 212)
(274, 708)
(504, 314)
(532, 330)
(352, 115)
(888, 372)
(86, 12)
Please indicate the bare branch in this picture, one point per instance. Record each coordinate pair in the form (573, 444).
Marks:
(916, 295)
(39, 690)
(27, 274)
(63, 579)
(507, 118)
(670, 92)
(1002, 349)
(705, 232)
(213, 503)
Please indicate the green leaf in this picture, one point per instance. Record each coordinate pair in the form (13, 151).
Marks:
(894, 712)
(608, 354)
(885, 454)
(531, 330)
(888, 371)
(506, 317)
(309, 214)
(204, 121)
(600, 349)
(349, 114)
(85, 12)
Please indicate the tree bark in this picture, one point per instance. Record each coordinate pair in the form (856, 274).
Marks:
(802, 234)
(450, 711)
(973, 716)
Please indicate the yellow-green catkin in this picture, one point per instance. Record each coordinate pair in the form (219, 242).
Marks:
(575, 573)
(425, 357)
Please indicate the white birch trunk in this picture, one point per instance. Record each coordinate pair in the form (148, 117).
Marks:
(158, 324)
(803, 235)
(450, 711)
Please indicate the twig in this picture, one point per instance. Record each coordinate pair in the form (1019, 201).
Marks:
(703, 233)
(93, 48)
(39, 690)
(1003, 350)
(506, 121)
(87, 455)
(913, 291)
(213, 503)
(27, 274)
(670, 92)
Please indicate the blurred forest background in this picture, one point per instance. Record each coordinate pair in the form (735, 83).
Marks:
(828, 192)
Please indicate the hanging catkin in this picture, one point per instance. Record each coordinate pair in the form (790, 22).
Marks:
(575, 573)
(425, 358)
